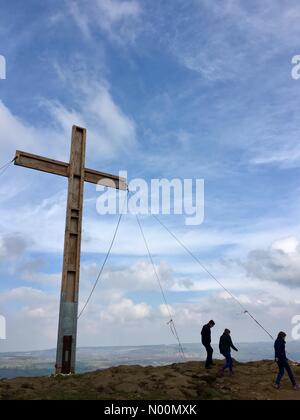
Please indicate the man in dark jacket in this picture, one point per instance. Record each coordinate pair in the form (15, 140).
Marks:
(282, 361)
(206, 341)
(225, 347)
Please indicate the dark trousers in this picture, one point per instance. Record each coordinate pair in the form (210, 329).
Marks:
(284, 366)
(229, 362)
(210, 352)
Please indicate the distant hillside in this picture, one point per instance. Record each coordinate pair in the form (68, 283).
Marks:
(186, 381)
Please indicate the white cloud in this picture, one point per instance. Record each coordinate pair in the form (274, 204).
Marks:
(37, 313)
(264, 19)
(275, 313)
(18, 134)
(204, 39)
(110, 131)
(279, 264)
(124, 311)
(23, 294)
(287, 245)
(117, 10)
(118, 19)
(42, 224)
(138, 276)
(40, 278)
(115, 319)
(12, 247)
(167, 310)
(285, 153)
(79, 17)
(204, 35)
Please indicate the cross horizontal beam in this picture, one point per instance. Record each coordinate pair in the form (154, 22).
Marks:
(57, 167)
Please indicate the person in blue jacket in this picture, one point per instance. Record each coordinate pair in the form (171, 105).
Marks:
(225, 347)
(283, 362)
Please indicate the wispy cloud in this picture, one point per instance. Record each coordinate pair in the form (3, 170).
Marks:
(118, 19)
(80, 18)
(222, 40)
(111, 132)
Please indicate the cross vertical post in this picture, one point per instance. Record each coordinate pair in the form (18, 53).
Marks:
(66, 343)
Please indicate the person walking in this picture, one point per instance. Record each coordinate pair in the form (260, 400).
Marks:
(206, 341)
(283, 362)
(225, 347)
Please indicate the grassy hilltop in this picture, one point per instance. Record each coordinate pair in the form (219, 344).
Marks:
(175, 382)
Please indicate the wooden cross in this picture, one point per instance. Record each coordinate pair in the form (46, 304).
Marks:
(77, 174)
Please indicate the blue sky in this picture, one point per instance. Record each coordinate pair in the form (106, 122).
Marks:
(187, 89)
